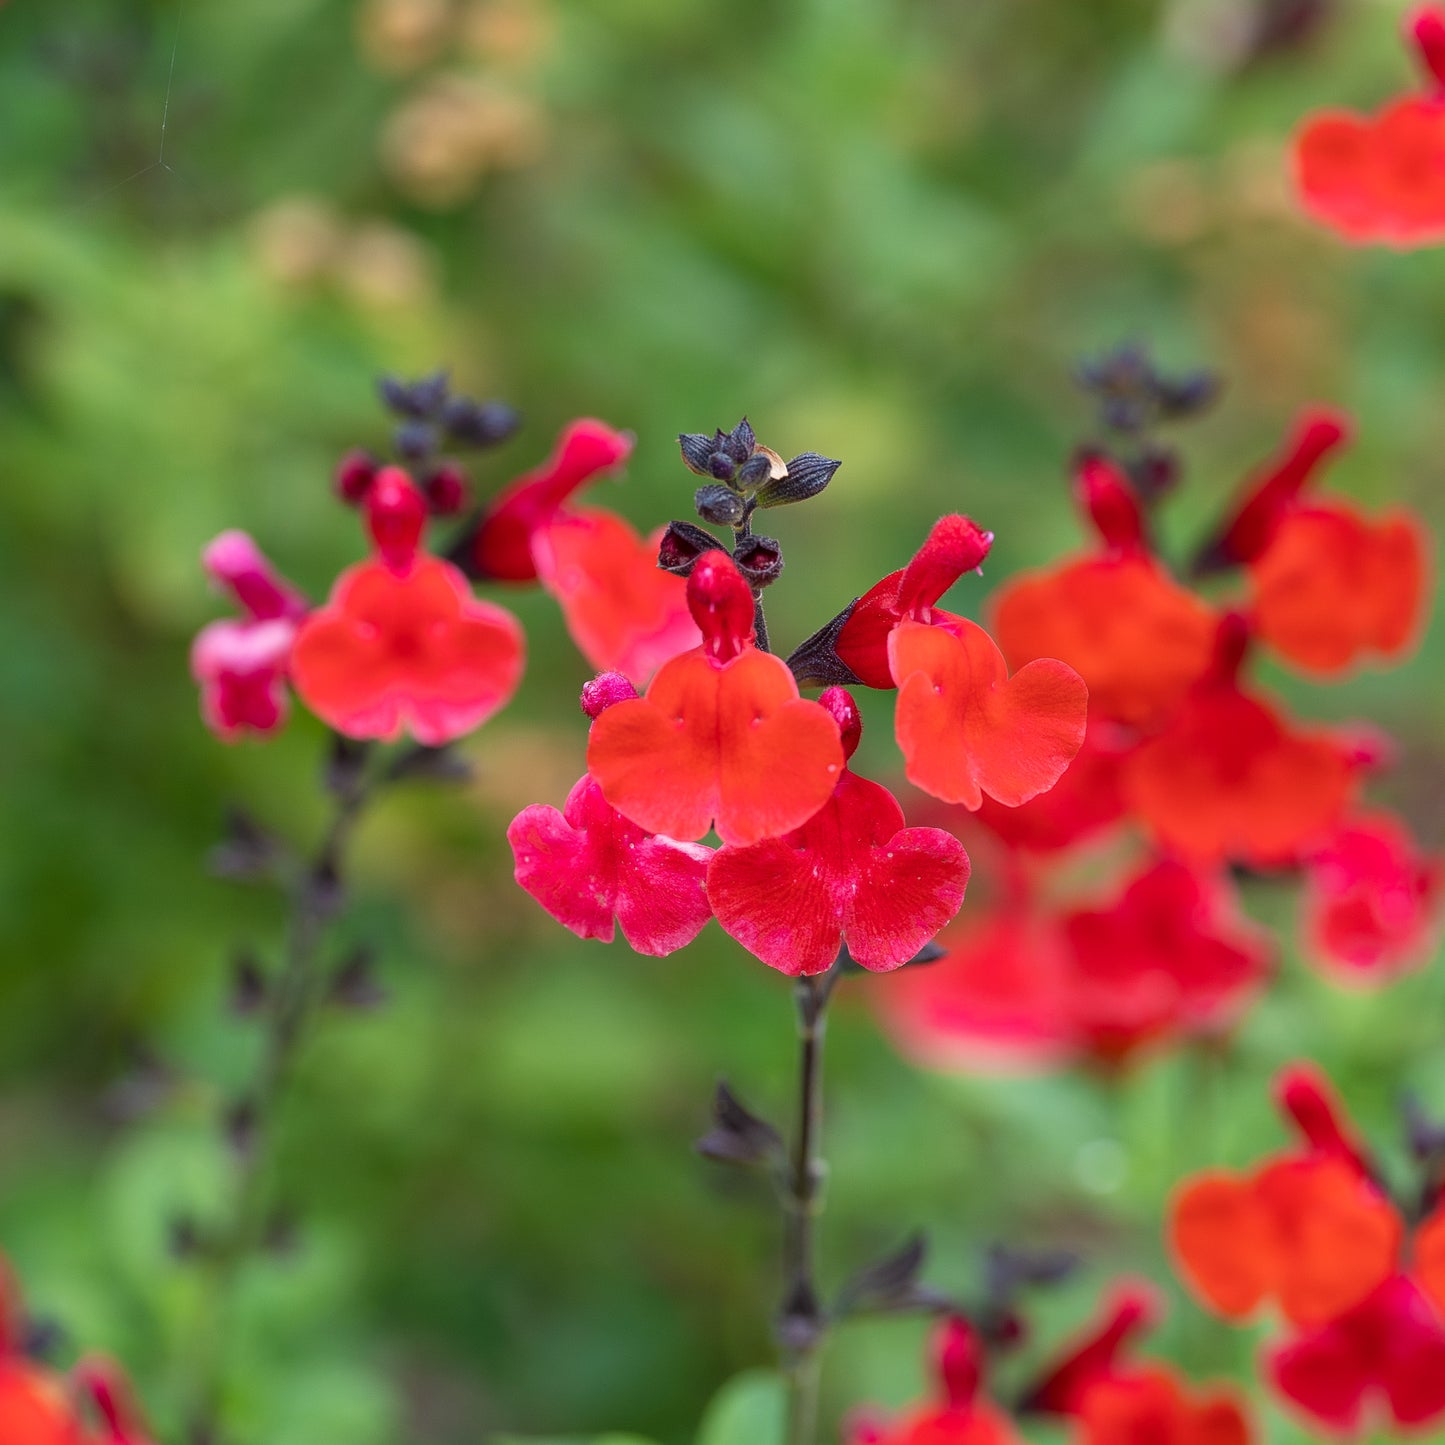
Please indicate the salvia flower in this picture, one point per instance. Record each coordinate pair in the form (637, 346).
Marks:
(402, 643)
(1136, 637)
(1371, 900)
(593, 870)
(853, 872)
(721, 735)
(964, 726)
(241, 664)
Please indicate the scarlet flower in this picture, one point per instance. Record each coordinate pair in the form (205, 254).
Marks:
(1152, 1404)
(1309, 1229)
(1229, 778)
(853, 872)
(721, 734)
(1379, 1364)
(1371, 900)
(588, 866)
(241, 664)
(1333, 587)
(1134, 635)
(402, 642)
(964, 726)
(960, 1416)
(1168, 957)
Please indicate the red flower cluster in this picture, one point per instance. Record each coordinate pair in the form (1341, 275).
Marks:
(1314, 1232)
(1108, 1398)
(1187, 767)
(40, 1407)
(1382, 178)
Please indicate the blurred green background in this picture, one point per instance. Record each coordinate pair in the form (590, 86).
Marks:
(885, 230)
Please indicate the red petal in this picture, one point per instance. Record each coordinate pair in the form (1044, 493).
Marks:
(1223, 1242)
(588, 863)
(1132, 1309)
(1333, 588)
(851, 871)
(1136, 638)
(731, 742)
(1332, 162)
(863, 642)
(34, 1409)
(623, 612)
(954, 545)
(965, 727)
(416, 651)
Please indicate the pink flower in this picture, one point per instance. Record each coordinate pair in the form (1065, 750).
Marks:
(853, 872)
(241, 664)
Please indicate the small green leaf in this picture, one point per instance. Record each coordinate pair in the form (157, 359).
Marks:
(749, 1410)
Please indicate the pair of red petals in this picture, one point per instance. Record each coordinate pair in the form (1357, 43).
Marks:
(407, 648)
(1376, 179)
(853, 870)
(1021, 989)
(622, 611)
(1372, 901)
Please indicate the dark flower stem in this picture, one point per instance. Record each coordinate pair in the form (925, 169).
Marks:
(741, 533)
(294, 999)
(801, 1324)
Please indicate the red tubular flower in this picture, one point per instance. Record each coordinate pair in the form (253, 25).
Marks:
(852, 873)
(1131, 1310)
(1309, 1228)
(1380, 1364)
(1376, 179)
(1134, 635)
(1371, 901)
(1333, 587)
(955, 545)
(1152, 1404)
(1229, 778)
(1171, 957)
(721, 734)
(241, 664)
(961, 1416)
(586, 449)
(621, 609)
(402, 643)
(587, 865)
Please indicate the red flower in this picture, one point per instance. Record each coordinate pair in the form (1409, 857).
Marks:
(402, 641)
(1376, 179)
(961, 1416)
(1371, 901)
(721, 734)
(852, 873)
(1333, 587)
(585, 450)
(623, 612)
(1229, 778)
(1381, 1363)
(241, 664)
(1151, 1404)
(1309, 1229)
(1169, 957)
(587, 865)
(1134, 635)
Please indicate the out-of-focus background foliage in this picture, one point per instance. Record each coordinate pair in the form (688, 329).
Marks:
(885, 229)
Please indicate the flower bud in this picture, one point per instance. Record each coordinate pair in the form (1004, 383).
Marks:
(840, 703)
(760, 560)
(804, 477)
(235, 562)
(414, 440)
(681, 545)
(719, 504)
(446, 490)
(479, 424)
(603, 690)
(1106, 495)
(355, 473)
(1425, 26)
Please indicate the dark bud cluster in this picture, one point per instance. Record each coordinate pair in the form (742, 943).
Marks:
(736, 463)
